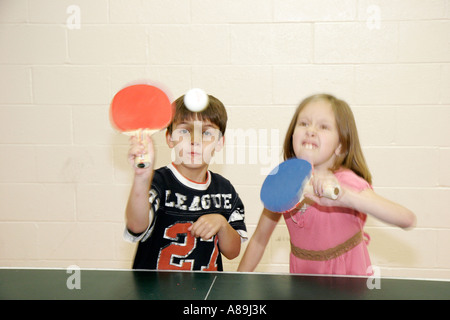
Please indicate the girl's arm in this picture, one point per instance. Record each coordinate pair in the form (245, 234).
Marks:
(367, 201)
(258, 242)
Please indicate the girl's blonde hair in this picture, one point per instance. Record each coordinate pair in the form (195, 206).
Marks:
(351, 156)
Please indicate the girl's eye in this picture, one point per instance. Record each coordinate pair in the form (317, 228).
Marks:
(324, 127)
(303, 124)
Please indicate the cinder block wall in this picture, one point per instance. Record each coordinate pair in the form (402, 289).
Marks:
(64, 179)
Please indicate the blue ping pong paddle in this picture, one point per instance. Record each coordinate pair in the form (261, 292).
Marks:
(283, 188)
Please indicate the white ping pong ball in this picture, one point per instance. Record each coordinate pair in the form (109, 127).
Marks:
(196, 100)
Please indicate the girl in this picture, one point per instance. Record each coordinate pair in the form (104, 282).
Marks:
(327, 235)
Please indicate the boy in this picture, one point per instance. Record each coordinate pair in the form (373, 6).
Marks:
(183, 215)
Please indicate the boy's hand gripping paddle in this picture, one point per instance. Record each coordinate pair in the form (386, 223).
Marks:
(285, 185)
(140, 109)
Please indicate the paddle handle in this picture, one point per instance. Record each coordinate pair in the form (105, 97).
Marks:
(331, 190)
(143, 160)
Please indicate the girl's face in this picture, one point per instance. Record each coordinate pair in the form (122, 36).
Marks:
(315, 136)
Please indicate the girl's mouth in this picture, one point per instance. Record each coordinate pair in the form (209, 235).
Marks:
(309, 145)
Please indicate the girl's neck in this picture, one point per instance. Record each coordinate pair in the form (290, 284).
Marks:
(321, 169)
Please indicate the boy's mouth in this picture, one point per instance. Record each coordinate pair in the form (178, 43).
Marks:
(194, 153)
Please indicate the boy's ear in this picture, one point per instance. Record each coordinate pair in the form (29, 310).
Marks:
(220, 143)
(169, 139)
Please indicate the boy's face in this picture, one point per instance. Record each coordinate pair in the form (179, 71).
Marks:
(194, 142)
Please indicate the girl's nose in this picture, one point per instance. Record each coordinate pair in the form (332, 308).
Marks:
(311, 130)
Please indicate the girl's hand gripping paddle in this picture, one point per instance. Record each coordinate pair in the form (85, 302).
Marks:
(285, 185)
(140, 109)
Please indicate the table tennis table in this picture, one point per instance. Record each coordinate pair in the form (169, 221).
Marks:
(100, 284)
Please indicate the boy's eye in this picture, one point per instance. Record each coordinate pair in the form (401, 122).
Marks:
(181, 132)
(210, 133)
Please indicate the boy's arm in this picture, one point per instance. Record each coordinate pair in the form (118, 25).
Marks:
(258, 242)
(138, 206)
(210, 224)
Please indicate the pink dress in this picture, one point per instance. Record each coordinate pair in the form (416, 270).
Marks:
(330, 240)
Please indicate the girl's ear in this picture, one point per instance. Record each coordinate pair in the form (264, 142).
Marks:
(169, 139)
(338, 150)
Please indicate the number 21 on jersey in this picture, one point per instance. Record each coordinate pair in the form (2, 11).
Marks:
(182, 246)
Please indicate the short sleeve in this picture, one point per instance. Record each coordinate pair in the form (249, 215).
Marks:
(237, 219)
(155, 201)
(350, 179)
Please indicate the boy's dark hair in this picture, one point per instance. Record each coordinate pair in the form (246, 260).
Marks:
(214, 112)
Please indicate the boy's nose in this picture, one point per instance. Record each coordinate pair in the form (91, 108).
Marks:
(196, 137)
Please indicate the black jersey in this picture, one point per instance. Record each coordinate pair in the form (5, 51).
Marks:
(175, 204)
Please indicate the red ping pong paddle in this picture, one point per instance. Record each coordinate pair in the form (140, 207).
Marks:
(140, 109)
(285, 185)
